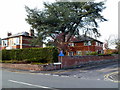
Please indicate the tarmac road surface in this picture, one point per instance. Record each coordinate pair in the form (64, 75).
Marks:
(93, 78)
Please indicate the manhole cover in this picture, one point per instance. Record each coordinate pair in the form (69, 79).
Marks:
(113, 77)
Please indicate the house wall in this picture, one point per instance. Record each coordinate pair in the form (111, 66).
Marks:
(16, 46)
(24, 42)
(21, 37)
(2, 47)
(81, 47)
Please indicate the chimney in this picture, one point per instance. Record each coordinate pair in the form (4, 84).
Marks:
(31, 32)
(9, 34)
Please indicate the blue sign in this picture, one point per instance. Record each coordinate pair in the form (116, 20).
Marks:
(61, 53)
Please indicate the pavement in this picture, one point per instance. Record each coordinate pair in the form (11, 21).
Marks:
(107, 71)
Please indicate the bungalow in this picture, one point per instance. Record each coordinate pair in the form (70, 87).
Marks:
(84, 46)
(18, 41)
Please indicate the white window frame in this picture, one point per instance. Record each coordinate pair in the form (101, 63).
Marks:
(71, 44)
(72, 53)
(79, 52)
(99, 44)
(16, 41)
(87, 43)
(96, 44)
(10, 42)
(5, 43)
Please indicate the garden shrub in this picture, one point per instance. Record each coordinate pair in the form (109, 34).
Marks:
(92, 53)
(42, 55)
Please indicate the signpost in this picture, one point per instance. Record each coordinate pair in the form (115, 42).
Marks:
(61, 55)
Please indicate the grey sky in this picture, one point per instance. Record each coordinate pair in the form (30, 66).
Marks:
(13, 14)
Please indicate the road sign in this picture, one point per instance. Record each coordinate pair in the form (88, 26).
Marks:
(61, 53)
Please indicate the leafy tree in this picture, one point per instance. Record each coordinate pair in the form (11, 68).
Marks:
(66, 18)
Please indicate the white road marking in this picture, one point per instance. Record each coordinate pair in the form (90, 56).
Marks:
(98, 79)
(31, 84)
(46, 74)
(65, 76)
(106, 77)
(55, 75)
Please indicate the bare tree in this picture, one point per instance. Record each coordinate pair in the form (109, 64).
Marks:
(112, 40)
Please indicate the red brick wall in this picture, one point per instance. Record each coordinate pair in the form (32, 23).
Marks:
(26, 40)
(16, 46)
(84, 48)
(68, 61)
(30, 67)
(3, 47)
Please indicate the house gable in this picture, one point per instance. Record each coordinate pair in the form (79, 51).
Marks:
(18, 41)
(86, 45)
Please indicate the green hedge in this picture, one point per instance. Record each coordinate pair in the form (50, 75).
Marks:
(43, 55)
(92, 53)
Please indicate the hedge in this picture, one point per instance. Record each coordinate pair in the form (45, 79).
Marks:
(42, 55)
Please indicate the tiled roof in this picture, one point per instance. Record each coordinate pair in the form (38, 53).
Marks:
(81, 38)
(19, 34)
(86, 38)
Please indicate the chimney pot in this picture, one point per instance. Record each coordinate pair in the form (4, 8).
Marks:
(31, 32)
(9, 34)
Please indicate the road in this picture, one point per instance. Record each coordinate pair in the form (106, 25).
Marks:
(75, 78)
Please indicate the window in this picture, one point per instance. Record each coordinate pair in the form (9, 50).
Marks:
(96, 43)
(16, 41)
(101, 45)
(71, 44)
(5, 43)
(70, 53)
(10, 42)
(87, 43)
(79, 52)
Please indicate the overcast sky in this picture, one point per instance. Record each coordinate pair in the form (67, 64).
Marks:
(13, 14)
